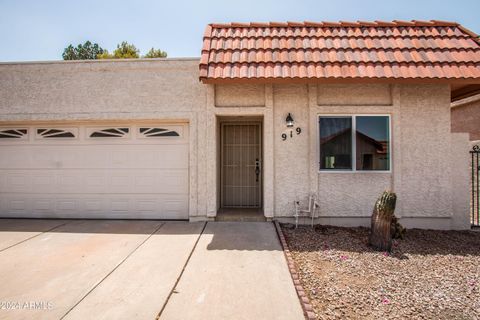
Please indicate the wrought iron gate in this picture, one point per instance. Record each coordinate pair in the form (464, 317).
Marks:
(475, 203)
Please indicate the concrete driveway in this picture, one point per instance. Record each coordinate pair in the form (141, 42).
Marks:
(118, 269)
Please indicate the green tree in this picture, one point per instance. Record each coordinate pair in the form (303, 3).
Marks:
(86, 51)
(155, 53)
(124, 51)
(105, 55)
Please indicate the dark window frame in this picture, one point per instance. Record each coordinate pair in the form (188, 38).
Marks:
(14, 133)
(354, 142)
(121, 132)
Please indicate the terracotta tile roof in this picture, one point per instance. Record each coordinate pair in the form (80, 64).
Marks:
(340, 50)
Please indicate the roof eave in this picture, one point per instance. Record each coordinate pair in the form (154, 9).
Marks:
(206, 80)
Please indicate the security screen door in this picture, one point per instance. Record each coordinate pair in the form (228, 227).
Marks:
(241, 171)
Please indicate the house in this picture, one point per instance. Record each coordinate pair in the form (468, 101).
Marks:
(269, 114)
(466, 116)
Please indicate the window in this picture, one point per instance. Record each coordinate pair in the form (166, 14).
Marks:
(13, 133)
(354, 143)
(44, 133)
(157, 132)
(109, 133)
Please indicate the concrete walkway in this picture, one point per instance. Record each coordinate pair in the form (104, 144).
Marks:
(98, 269)
(237, 271)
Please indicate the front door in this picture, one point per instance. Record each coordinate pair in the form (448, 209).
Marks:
(241, 171)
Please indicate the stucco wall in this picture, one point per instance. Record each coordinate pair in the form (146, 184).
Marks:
(425, 189)
(245, 95)
(74, 90)
(423, 149)
(368, 94)
(466, 118)
(292, 159)
(422, 152)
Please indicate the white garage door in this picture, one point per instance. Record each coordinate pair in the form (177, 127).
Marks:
(104, 171)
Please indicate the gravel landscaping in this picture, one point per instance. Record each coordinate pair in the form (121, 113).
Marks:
(429, 275)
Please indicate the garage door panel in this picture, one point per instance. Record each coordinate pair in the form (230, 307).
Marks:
(174, 207)
(42, 180)
(135, 177)
(89, 207)
(94, 156)
(15, 157)
(80, 181)
(16, 182)
(174, 181)
(42, 205)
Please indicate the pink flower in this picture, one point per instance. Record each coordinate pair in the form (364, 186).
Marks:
(385, 254)
(385, 301)
(343, 257)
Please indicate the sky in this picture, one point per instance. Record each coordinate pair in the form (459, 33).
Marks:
(40, 30)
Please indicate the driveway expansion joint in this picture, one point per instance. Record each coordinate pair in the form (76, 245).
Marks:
(302, 296)
(113, 269)
(34, 236)
(173, 290)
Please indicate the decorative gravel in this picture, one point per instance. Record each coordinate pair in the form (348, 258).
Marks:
(429, 275)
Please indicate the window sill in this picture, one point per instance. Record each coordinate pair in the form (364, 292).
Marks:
(354, 171)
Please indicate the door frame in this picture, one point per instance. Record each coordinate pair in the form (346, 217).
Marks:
(241, 121)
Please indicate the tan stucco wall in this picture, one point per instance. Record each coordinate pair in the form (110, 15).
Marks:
(246, 95)
(74, 90)
(424, 152)
(367, 94)
(425, 145)
(423, 149)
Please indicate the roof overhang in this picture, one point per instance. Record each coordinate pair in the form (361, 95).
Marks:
(460, 92)
(460, 88)
(458, 82)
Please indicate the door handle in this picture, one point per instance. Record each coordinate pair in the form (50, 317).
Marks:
(257, 168)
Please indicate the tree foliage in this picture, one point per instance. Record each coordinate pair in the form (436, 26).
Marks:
(124, 50)
(155, 53)
(86, 51)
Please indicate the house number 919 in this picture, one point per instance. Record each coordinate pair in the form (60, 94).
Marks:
(285, 136)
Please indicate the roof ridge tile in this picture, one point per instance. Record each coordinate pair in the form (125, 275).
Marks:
(385, 23)
(341, 23)
(445, 23)
(403, 22)
(331, 24)
(368, 23)
(259, 24)
(295, 24)
(312, 24)
(278, 24)
(350, 23)
(239, 24)
(423, 23)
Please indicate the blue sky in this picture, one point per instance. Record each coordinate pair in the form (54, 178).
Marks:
(39, 30)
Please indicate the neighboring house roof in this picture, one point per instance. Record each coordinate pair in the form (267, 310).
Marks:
(408, 50)
(464, 101)
(380, 146)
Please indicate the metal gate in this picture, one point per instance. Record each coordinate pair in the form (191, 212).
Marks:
(475, 203)
(241, 176)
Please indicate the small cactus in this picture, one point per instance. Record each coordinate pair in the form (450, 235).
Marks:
(384, 224)
(385, 205)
